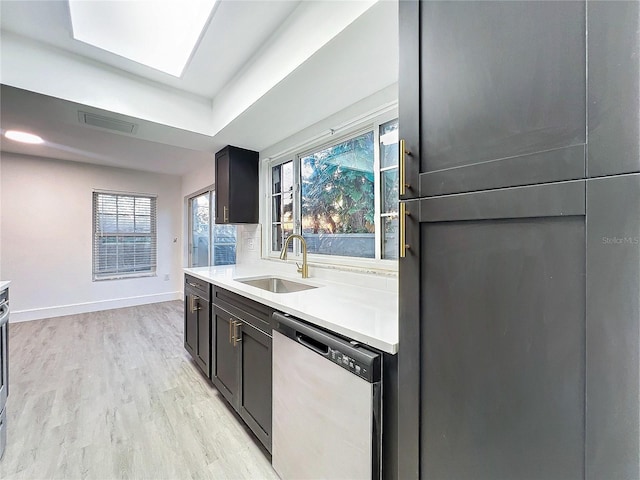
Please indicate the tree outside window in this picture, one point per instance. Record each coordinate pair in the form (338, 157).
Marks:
(342, 197)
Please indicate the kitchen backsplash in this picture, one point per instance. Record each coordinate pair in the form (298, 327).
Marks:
(248, 250)
(248, 243)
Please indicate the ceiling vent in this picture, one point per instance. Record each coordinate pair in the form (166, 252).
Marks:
(107, 123)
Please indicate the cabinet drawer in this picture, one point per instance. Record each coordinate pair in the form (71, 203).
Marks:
(254, 313)
(197, 286)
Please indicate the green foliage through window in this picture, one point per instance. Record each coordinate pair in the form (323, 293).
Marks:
(338, 188)
(342, 197)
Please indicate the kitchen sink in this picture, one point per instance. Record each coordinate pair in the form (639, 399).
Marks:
(275, 284)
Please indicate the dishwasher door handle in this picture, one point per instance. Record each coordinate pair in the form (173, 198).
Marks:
(312, 344)
(4, 314)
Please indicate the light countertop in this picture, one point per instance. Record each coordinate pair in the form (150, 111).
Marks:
(368, 315)
(4, 285)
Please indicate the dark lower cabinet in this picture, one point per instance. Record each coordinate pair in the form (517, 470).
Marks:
(242, 360)
(203, 353)
(190, 325)
(501, 345)
(613, 328)
(225, 372)
(520, 333)
(230, 341)
(254, 398)
(197, 322)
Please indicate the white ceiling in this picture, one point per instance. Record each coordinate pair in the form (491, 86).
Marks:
(236, 31)
(155, 147)
(360, 60)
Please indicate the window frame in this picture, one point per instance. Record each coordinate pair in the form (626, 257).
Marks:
(211, 192)
(190, 199)
(369, 123)
(153, 235)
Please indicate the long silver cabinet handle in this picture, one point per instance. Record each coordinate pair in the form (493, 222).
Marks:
(236, 338)
(194, 307)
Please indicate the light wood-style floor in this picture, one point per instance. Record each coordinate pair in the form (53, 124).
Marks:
(114, 395)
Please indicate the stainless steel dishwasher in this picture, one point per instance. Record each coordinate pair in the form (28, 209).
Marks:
(326, 404)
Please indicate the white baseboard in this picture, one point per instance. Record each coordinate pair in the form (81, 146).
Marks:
(62, 310)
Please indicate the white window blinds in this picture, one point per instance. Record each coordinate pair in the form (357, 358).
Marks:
(124, 235)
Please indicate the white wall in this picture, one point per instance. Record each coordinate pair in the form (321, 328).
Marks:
(198, 179)
(46, 237)
(309, 28)
(385, 99)
(1, 218)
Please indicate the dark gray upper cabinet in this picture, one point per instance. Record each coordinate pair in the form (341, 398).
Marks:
(502, 94)
(614, 87)
(236, 180)
(409, 93)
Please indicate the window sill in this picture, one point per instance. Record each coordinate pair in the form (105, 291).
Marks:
(347, 264)
(124, 276)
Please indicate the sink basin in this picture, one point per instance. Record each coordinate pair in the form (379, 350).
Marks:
(275, 284)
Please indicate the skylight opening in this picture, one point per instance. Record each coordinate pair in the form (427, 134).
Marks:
(161, 34)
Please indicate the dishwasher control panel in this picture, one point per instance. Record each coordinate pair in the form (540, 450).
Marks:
(363, 370)
(350, 355)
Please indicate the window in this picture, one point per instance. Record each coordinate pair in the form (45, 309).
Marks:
(124, 235)
(389, 188)
(282, 204)
(202, 230)
(342, 197)
(200, 214)
(338, 198)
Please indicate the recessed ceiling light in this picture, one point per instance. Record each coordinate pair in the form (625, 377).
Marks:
(158, 34)
(23, 137)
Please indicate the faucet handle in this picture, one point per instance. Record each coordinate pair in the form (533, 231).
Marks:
(299, 267)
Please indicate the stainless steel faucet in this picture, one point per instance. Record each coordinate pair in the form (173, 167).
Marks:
(304, 268)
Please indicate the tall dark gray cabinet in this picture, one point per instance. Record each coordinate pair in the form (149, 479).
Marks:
(520, 281)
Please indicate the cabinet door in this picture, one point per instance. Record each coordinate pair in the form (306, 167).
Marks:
(222, 186)
(225, 372)
(613, 327)
(614, 87)
(190, 324)
(501, 95)
(236, 185)
(501, 334)
(409, 95)
(203, 356)
(255, 384)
